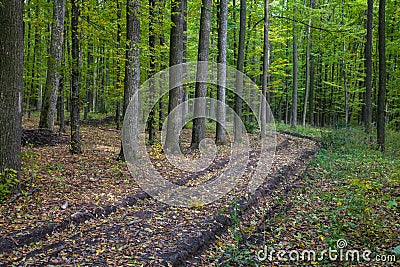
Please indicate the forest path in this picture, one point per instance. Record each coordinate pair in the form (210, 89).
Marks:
(107, 219)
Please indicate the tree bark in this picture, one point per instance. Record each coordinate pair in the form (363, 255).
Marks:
(61, 89)
(118, 69)
(152, 45)
(308, 51)
(75, 120)
(382, 77)
(11, 83)
(48, 111)
(221, 94)
(199, 122)
(132, 67)
(293, 121)
(175, 94)
(368, 69)
(265, 72)
(238, 132)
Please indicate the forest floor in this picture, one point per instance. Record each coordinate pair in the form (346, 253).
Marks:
(87, 210)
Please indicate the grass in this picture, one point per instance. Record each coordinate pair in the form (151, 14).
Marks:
(351, 192)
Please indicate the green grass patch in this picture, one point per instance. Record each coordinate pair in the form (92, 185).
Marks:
(351, 192)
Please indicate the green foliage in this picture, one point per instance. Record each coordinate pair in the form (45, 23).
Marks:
(251, 126)
(234, 254)
(366, 195)
(8, 181)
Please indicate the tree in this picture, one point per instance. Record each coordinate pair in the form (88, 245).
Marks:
(48, 111)
(380, 116)
(132, 65)
(308, 50)
(175, 94)
(293, 121)
(311, 79)
(239, 79)
(152, 47)
(220, 137)
(199, 122)
(265, 71)
(11, 83)
(344, 74)
(368, 69)
(75, 120)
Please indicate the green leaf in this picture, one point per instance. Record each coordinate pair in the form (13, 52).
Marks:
(391, 203)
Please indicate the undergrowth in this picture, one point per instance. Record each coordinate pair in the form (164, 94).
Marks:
(351, 191)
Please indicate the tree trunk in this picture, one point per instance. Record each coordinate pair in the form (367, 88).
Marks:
(368, 69)
(118, 69)
(48, 111)
(293, 121)
(308, 71)
(27, 57)
(61, 89)
(346, 90)
(265, 72)
(199, 122)
(238, 132)
(88, 88)
(173, 140)
(380, 116)
(132, 67)
(221, 94)
(75, 120)
(152, 45)
(161, 112)
(11, 83)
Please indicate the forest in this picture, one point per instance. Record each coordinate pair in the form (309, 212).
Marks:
(199, 133)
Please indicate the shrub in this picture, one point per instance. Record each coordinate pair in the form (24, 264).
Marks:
(8, 181)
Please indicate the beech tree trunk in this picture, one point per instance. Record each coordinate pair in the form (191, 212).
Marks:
(75, 120)
(265, 72)
(380, 116)
(239, 80)
(48, 110)
(368, 69)
(172, 145)
(293, 121)
(152, 44)
(132, 65)
(199, 122)
(221, 94)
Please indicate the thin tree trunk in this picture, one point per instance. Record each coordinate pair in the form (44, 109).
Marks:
(88, 84)
(152, 44)
(75, 120)
(118, 69)
(132, 69)
(265, 72)
(199, 122)
(346, 91)
(27, 57)
(382, 77)
(239, 79)
(61, 88)
(221, 94)
(173, 140)
(308, 50)
(48, 111)
(293, 121)
(368, 69)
